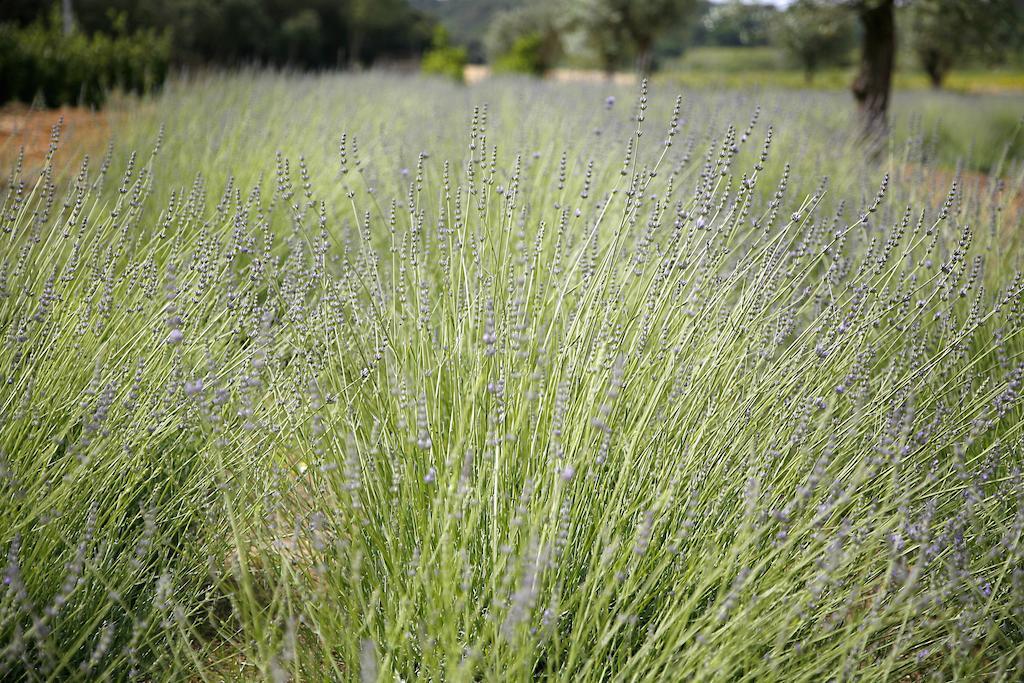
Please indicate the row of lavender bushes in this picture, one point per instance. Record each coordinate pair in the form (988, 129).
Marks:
(361, 378)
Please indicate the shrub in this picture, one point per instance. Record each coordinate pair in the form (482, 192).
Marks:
(525, 56)
(525, 40)
(555, 388)
(444, 59)
(39, 61)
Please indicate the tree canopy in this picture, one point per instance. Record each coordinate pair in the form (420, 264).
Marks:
(945, 32)
(615, 30)
(305, 33)
(526, 39)
(815, 33)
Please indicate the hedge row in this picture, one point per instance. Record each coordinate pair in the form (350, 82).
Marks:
(39, 61)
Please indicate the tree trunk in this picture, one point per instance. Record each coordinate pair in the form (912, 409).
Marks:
(355, 48)
(873, 84)
(67, 17)
(608, 66)
(644, 58)
(934, 67)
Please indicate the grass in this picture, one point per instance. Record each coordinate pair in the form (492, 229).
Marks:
(368, 378)
(767, 67)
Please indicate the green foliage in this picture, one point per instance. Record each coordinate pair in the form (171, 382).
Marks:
(357, 379)
(525, 40)
(815, 34)
(468, 21)
(38, 60)
(294, 33)
(525, 56)
(946, 32)
(379, 28)
(594, 30)
(737, 23)
(614, 30)
(443, 58)
(302, 37)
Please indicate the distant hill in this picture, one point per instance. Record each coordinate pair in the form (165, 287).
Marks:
(466, 20)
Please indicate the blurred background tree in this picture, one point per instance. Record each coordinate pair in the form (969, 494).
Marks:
(735, 23)
(594, 29)
(55, 42)
(615, 30)
(525, 40)
(300, 33)
(467, 21)
(42, 62)
(815, 33)
(872, 87)
(945, 32)
(443, 58)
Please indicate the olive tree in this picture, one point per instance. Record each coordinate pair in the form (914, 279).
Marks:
(872, 87)
(526, 39)
(943, 32)
(615, 29)
(814, 33)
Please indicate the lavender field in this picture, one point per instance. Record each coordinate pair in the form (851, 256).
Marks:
(381, 378)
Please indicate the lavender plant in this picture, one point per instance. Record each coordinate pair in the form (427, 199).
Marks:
(369, 378)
